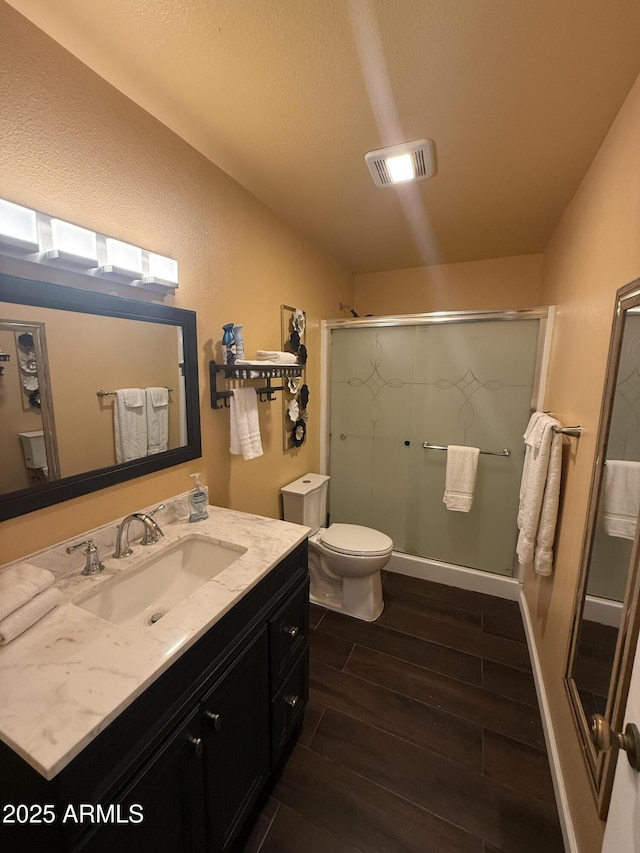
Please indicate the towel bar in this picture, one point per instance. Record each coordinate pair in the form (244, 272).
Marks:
(574, 431)
(505, 452)
(101, 393)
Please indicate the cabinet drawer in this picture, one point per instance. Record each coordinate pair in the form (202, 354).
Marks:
(287, 706)
(288, 633)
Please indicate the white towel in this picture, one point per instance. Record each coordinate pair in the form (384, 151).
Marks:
(27, 615)
(460, 479)
(20, 584)
(621, 498)
(276, 357)
(130, 424)
(157, 419)
(539, 494)
(245, 424)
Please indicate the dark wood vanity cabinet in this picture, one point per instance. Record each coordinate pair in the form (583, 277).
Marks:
(194, 751)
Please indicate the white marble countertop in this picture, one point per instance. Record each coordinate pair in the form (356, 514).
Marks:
(67, 677)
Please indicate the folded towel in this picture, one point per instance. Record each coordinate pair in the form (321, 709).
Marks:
(539, 493)
(621, 498)
(133, 397)
(157, 420)
(245, 424)
(20, 584)
(130, 424)
(276, 357)
(27, 615)
(460, 479)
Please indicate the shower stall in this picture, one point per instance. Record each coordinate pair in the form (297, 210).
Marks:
(400, 390)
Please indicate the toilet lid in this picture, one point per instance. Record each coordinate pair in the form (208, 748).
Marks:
(356, 540)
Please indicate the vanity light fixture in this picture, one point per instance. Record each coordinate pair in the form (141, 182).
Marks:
(18, 226)
(72, 243)
(399, 164)
(37, 238)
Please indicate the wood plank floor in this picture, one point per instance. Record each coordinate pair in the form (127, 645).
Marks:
(422, 733)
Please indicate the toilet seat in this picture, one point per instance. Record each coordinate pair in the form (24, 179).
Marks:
(355, 540)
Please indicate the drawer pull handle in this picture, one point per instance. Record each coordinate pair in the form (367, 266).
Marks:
(197, 746)
(214, 719)
(291, 630)
(291, 700)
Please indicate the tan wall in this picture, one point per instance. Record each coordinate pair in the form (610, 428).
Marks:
(594, 251)
(76, 148)
(471, 286)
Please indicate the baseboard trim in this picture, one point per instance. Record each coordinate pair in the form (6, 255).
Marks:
(562, 801)
(450, 575)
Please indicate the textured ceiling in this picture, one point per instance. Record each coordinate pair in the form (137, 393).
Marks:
(288, 95)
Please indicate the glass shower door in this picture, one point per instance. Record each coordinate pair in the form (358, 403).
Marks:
(395, 388)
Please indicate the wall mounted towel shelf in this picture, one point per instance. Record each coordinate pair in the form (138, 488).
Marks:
(249, 370)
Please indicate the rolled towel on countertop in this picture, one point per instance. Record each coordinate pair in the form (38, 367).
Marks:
(20, 584)
(24, 617)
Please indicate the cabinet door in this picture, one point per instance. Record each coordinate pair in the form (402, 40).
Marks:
(169, 795)
(236, 720)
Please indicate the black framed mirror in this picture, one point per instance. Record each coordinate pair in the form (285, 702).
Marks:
(606, 614)
(60, 435)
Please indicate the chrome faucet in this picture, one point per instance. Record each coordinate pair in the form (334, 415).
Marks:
(152, 530)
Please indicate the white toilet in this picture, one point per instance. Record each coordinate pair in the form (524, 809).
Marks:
(344, 559)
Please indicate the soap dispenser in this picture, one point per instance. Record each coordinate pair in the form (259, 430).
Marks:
(198, 500)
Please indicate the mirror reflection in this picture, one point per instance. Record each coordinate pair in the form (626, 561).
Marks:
(598, 664)
(97, 390)
(136, 362)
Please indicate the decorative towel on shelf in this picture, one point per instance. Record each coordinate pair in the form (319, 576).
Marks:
(276, 357)
(539, 493)
(157, 405)
(460, 479)
(245, 424)
(20, 584)
(130, 424)
(24, 617)
(621, 498)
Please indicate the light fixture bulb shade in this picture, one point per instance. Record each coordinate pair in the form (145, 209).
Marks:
(124, 255)
(165, 269)
(18, 223)
(74, 240)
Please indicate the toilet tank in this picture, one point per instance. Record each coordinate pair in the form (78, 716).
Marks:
(305, 501)
(33, 449)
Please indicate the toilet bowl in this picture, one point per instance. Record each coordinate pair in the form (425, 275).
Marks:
(345, 560)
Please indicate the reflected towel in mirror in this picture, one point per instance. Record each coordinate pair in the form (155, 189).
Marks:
(621, 498)
(157, 400)
(130, 424)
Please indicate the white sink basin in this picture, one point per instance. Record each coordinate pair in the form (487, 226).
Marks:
(143, 594)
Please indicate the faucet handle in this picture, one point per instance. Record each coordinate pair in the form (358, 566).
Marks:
(152, 533)
(93, 563)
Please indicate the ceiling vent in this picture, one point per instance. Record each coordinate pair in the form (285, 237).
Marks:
(398, 164)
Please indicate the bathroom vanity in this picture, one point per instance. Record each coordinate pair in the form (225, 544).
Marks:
(192, 716)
